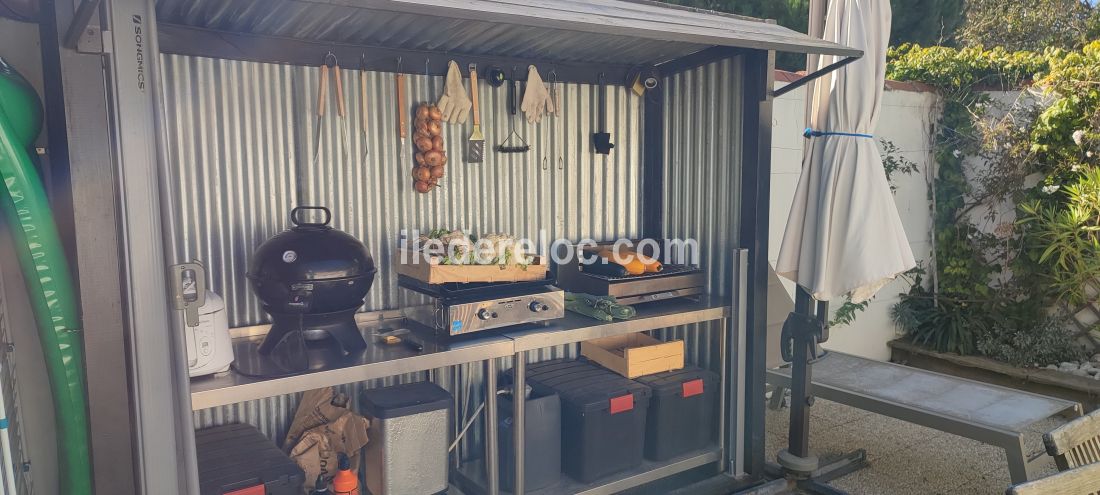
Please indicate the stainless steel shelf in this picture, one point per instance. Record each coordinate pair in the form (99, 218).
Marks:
(378, 361)
(471, 476)
(576, 328)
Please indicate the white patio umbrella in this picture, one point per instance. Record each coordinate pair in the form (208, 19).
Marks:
(844, 235)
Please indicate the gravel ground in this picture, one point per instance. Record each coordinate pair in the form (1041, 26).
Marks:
(905, 458)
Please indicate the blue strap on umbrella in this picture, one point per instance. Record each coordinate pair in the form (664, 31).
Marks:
(809, 133)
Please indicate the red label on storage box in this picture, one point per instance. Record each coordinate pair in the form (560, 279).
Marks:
(622, 404)
(693, 388)
(252, 490)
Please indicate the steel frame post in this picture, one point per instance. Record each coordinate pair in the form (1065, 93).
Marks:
(519, 419)
(492, 451)
(733, 371)
(77, 119)
(164, 440)
(755, 147)
(653, 164)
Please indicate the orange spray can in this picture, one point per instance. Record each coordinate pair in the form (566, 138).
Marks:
(345, 482)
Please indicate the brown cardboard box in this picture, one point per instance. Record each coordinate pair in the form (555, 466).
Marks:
(636, 354)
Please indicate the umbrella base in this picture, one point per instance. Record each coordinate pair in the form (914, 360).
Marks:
(797, 465)
(785, 481)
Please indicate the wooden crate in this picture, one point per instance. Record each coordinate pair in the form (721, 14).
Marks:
(636, 354)
(429, 270)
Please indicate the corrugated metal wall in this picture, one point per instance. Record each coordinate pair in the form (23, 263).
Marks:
(242, 153)
(702, 180)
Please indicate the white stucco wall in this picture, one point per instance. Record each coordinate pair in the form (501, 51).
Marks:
(906, 120)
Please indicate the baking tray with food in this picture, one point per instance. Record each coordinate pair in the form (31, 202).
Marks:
(455, 256)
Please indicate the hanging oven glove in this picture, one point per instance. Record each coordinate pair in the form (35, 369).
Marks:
(454, 104)
(536, 99)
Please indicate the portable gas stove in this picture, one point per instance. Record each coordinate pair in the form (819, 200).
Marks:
(459, 309)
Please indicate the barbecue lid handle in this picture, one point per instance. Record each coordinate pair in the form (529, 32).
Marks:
(295, 216)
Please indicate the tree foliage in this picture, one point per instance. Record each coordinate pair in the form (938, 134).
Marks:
(1000, 271)
(925, 22)
(915, 21)
(1030, 24)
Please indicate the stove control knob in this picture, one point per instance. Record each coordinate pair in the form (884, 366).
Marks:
(485, 314)
(538, 307)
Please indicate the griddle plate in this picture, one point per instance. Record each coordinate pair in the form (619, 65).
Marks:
(668, 271)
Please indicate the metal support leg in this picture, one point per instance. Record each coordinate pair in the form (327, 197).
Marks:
(1017, 461)
(492, 447)
(843, 466)
(723, 398)
(519, 422)
(776, 402)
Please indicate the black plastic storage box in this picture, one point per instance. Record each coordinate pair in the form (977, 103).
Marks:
(603, 417)
(239, 460)
(542, 436)
(682, 415)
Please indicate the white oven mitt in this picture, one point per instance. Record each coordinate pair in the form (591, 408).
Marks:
(536, 99)
(454, 104)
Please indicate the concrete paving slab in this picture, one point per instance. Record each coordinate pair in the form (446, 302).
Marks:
(905, 458)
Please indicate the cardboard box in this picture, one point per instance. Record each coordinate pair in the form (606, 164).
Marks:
(636, 354)
(422, 267)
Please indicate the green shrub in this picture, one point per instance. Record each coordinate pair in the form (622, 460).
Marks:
(1048, 343)
(992, 287)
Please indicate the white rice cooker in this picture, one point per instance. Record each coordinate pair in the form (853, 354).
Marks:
(209, 347)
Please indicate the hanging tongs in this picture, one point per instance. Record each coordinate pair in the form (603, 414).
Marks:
(601, 140)
(510, 145)
(330, 62)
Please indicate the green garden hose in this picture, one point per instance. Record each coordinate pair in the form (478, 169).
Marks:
(46, 272)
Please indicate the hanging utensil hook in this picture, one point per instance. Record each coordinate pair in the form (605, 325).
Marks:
(330, 56)
(555, 92)
(364, 120)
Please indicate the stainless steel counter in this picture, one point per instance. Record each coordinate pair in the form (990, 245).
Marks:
(382, 360)
(470, 478)
(577, 328)
(378, 361)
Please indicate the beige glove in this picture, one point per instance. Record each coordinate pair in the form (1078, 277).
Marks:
(454, 104)
(536, 99)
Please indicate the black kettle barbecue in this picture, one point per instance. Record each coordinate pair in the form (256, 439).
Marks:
(312, 279)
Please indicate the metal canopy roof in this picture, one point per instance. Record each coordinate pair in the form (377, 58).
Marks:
(600, 31)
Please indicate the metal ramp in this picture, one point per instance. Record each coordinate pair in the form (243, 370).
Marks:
(987, 413)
